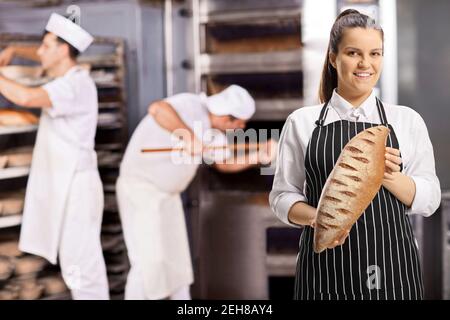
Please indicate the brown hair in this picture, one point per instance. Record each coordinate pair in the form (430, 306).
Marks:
(349, 18)
(73, 52)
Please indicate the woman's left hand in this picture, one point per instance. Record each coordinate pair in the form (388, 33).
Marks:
(392, 163)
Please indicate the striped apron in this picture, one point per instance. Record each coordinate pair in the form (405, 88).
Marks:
(379, 260)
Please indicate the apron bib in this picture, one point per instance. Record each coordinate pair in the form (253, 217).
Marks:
(379, 260)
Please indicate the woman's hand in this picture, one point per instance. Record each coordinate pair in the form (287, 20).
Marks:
(400, 185)
(341, 240)
(338, 242)
(392, 163)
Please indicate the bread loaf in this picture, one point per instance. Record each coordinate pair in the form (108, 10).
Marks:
(6, 268)
(11, 203)
(32, 76)
(29, 265)
(30, 289)
(351, 186)
(7, 294)
(10, 117)
(3, 161)
(53, 285)
(18, 157)
(10, 249)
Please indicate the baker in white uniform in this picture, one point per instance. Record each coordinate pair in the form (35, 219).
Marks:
(64, 197)
(150, 184)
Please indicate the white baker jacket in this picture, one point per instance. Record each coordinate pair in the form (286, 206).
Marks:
(64, 145)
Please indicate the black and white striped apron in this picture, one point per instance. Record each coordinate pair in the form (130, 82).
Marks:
(379, 259)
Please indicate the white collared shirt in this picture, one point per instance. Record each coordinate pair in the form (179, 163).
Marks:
(415, 147)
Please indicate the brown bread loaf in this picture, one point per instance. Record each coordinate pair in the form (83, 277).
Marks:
(9, 117)
(351, 186)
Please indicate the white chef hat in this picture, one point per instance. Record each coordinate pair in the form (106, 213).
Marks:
(234, 100)
(69, 31)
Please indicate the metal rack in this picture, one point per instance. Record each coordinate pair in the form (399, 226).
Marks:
(107, 63)
(13, 178)
(257, 47)
(10, 225)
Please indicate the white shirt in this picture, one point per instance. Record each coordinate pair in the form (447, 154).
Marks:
(171, 171)
(415, 147)
(75, 105)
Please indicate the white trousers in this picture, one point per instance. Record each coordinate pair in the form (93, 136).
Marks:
(80, 251)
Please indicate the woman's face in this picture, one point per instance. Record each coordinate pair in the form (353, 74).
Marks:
(358, 61)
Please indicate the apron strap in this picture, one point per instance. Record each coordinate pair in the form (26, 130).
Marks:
(323, 115)
(382, 113)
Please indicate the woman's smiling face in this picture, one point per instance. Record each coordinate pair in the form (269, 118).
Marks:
(359, 60)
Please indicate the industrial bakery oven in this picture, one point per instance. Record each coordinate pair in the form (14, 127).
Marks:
(240, 249)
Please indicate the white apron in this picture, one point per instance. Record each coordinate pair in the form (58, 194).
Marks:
(156, 237)
(55, 159)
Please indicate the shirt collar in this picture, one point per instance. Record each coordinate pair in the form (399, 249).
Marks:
(346, 110)
(72, 70)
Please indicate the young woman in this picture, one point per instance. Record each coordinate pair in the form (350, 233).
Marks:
(378, 258)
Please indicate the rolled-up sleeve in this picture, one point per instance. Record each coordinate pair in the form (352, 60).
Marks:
(62, 94)
(289, 176)
(422, 170)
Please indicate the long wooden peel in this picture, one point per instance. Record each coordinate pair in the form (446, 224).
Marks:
(238, 146)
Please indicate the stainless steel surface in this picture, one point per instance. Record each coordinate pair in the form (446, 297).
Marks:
(168, 45)
(208, 6)
(242, 14)
(424, 71)
(196, 44)
(233, 259)
(287, 61)
(274, 109)
(445, 209)
(281, 264)
(257, 45)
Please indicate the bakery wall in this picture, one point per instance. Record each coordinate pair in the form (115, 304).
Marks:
(424, 78)
(424, 69)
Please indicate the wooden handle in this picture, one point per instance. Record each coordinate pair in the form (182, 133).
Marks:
(239, 146)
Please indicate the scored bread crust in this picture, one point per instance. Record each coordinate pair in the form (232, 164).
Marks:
(351, 186)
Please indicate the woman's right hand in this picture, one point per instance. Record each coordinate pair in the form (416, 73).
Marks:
(6, 56)
(338, 242)
(341, 240)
